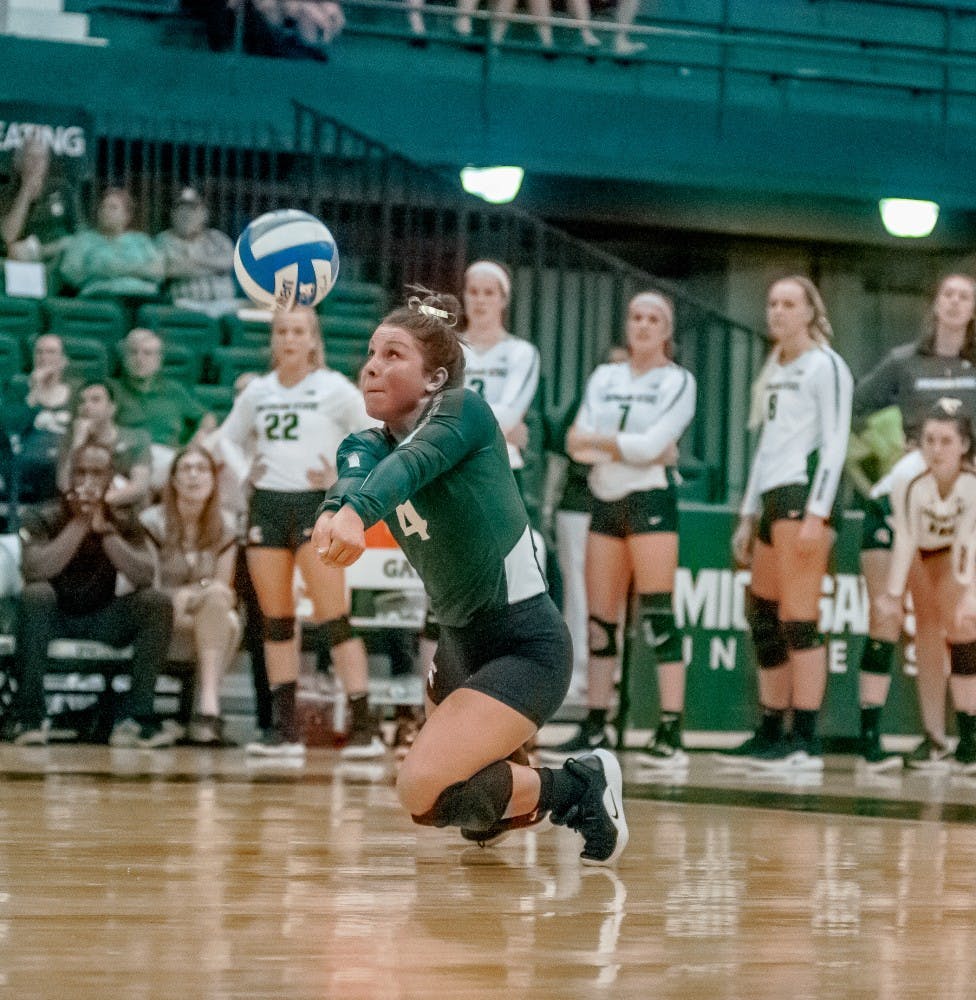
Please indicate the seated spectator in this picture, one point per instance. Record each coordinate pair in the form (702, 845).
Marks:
(196, 546)
(290, 29)
(149, 401)
(199, 261)
(39, 413)
(131, 448)
(76, 555)
(113, 259)
(40, 210)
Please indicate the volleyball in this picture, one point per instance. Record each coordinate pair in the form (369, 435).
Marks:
(286, 258)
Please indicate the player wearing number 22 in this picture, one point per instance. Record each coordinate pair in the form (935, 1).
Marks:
(438, 473)
(296, 416)
(802, 403)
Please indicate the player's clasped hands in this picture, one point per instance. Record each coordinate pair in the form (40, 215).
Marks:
(339, 538)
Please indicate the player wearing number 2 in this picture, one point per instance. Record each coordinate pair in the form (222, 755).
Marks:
(802, 402)
(632, 416)
(438, 473)
(297, 415)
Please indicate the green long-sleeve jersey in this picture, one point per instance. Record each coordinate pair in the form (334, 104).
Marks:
(448, 495)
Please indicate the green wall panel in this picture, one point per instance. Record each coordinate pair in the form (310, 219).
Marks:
(709, 605)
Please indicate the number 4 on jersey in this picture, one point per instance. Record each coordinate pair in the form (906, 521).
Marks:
(411, 523)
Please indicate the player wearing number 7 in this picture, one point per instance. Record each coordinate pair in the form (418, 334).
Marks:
(802, 403)
(438, 473)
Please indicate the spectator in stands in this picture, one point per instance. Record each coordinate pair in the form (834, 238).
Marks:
(196, 546)
(38, 412)
(76, 555)
(130, 448)
(113, 259)
(146, 399)
(40, 210)
(199, 261)
(626, 13)
(502, 11)
(280, 28)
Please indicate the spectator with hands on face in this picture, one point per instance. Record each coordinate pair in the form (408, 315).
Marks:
(77, 557)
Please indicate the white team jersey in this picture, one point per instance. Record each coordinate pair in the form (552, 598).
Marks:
(646, 412)
(506, 377)
(925, 521)
(293, 425)
(806, 411)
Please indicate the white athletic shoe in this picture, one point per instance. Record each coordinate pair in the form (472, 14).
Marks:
(599, 813)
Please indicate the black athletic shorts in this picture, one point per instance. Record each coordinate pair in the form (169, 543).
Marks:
(784, 503)
(643, 513)
(279, 520)
(876, 532)
(521, 655)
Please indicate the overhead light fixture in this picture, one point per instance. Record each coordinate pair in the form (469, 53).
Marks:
(908, 217)
(497, 185)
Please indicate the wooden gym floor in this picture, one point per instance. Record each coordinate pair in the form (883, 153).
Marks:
(193, 874)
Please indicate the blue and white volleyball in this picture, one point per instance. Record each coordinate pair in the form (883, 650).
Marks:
(286, 258)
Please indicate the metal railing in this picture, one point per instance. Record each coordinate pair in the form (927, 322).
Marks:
(399, 224)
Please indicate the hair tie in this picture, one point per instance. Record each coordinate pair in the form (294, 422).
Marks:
(418, 305)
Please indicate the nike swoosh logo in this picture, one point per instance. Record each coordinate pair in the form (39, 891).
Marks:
(614, 812)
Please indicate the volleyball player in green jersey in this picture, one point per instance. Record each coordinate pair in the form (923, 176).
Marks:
(438, 473)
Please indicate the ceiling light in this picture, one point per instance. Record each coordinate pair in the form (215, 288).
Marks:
(498, 185)
(908, 217)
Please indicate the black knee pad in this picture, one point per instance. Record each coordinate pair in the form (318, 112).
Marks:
(877, 656)
(279, 629)
(602, 637)
(767, 631)
(476, 804)
(802, 635)
(962, 658)
(337, 631)
(658, 626)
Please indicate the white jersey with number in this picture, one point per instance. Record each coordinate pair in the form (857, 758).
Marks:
(806, 416)
(506, 376)
(646, 412)
(925, 521)
(294, 427)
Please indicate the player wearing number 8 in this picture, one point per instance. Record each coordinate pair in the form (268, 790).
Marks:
(802, 403)
(295, 416)
(438, 473)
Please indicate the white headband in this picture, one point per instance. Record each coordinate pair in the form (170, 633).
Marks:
(496, 271)
(660, 302)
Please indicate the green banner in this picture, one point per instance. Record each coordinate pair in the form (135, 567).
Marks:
(709, 598)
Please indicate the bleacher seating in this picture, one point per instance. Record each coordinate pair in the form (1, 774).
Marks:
(99, 319)
(88, 358)
(230, 362)
(11, 358)
(247, 328)
(346, 342)
(218, 399)
(195, 330)
(20, 318)
(182, 363)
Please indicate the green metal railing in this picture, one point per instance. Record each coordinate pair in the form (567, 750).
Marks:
(400, 224)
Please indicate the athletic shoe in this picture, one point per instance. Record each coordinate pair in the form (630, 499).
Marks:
(29, 735)
(930, 755)
(599, 813)
(503, 829)
(964, 759)
(790, 755)
(144, 735)
(407, 729)
(207, 731)
(759, 743)
(272, 744)
(875, 758)
(582, 741)
(363, 744)
(664, 752)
